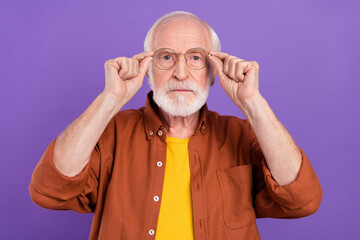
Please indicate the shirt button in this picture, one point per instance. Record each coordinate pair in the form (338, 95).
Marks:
(156, 198)
(151, 232)
(160, 133)
(151, 133)
(159, 164)
(203, 127)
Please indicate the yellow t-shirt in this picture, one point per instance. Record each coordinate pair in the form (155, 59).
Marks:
(176, 218)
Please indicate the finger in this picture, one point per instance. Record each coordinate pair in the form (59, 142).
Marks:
(251, 69)
(136, 68)
(124, 68)
(218, 66)
(111, 69)
(220, 55)
(133, 69)
(227, 64)
(144, 64)
(239, 71)
(143, 55)
(232, 68)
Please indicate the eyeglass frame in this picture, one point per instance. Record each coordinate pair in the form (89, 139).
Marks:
(177, 57)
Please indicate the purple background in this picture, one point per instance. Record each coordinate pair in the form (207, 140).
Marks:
(51, 68)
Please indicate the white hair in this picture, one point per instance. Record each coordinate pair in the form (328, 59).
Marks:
(215, 41)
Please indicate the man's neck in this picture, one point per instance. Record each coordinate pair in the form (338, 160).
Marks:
(180, 127)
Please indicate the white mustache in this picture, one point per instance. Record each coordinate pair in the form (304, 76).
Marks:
(184, 85)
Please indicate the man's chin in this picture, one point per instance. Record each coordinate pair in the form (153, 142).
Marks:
(180, 102)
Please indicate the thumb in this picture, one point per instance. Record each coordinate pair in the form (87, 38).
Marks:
(144, 64)
(218, 66)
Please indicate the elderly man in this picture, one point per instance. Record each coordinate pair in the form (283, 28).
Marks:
(173, 169)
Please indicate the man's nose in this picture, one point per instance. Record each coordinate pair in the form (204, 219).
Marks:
(181, 68)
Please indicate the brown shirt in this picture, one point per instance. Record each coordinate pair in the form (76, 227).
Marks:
(231, 185)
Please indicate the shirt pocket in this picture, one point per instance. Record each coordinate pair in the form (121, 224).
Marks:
(236, 193)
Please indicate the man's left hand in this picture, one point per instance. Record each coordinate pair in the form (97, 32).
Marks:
(239, 78)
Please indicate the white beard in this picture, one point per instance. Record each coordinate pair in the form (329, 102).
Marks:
(181, 105)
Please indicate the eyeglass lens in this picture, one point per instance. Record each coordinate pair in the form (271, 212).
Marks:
(166, 58)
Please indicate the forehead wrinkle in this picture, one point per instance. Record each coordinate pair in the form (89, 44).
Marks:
(181, 44)
(183, 38)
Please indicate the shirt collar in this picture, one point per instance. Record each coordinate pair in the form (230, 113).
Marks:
(153, 123)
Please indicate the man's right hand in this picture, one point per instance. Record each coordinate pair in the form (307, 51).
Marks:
(124, 76)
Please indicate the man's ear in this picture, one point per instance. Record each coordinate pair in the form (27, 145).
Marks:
(147, 74)
(213, 77)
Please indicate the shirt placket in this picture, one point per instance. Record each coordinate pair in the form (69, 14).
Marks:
(158, 161)
(197, 189)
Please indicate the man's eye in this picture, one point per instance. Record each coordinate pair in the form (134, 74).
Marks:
(167, 57)
(196, 58)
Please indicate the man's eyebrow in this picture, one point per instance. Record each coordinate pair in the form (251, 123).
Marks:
(166, 48)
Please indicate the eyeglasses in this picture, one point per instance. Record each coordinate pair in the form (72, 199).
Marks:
(166, 58)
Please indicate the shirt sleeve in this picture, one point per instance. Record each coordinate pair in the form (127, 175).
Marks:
(300, 198)
(49, 188)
